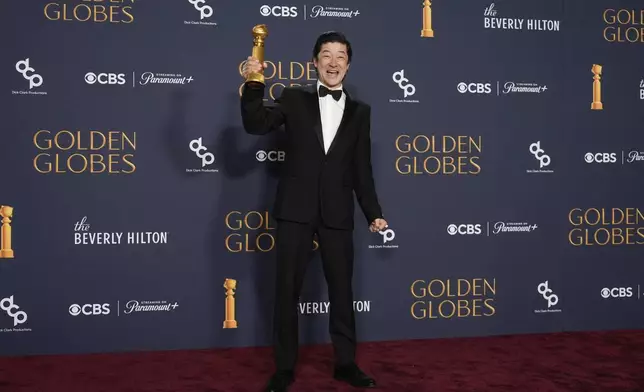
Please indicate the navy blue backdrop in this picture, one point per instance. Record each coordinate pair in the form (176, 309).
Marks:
(136, 211)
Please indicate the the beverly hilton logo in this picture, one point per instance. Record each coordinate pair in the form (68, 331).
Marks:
(83, 235)
(6, 212)
(230, 285)
(597, 88)
(427, 31)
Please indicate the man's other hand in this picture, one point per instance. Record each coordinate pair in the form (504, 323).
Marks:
(377, 225)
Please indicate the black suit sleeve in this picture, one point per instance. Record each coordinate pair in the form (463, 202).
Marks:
(365, 188)
(256, 118)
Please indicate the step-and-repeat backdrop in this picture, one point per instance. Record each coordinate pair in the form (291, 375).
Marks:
(136, 212)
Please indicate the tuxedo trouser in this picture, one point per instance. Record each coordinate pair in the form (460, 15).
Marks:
(294, 247)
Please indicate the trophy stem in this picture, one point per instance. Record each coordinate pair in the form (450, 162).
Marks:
(5, 237)
(597, 92)
(260, 32)
(230, 321)
(427, 31)
(258, 53)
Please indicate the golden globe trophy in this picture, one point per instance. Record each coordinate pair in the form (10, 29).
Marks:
(5, 234)
(427, 31)
(597, 88)
(230, 285)
(260, 32)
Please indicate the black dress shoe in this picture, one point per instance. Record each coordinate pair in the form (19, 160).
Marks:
(354, 376)
(280, 381)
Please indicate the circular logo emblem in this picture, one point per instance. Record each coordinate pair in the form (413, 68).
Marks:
(74, 310)
(90, 77)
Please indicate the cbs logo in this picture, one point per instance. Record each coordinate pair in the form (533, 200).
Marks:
(474, 88)
(617, 292)
(273, 156)
(464, 229)
(104, 78)
(89, 309)
(279, 11)
(600, 157)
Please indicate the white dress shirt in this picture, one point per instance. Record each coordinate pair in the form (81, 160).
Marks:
(331, 112)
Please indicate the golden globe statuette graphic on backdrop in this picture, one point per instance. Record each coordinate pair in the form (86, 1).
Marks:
(230, 285)
(260, 32)
(5, 235)
(597, 88)
(427, 31)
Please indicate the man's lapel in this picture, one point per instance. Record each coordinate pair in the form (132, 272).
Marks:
(314, 109)
(350, 107)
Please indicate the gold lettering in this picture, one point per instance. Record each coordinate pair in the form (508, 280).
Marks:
(93, 12)
(423, 291)
(252, 221)
(437, 164)
(72, 149)
(467, 298)
(417, 312)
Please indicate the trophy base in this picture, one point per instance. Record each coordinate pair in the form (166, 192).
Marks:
(6, 254)
(256, 77)
(230, 324)
(597, 106)
(426, 33)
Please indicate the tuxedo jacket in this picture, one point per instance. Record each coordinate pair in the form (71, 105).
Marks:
(313, 182)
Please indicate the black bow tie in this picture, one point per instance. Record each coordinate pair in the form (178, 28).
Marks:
(324, 91)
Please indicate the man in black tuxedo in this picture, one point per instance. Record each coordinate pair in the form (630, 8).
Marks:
(328, 157)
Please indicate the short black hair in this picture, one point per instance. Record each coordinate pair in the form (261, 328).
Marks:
(332, 36)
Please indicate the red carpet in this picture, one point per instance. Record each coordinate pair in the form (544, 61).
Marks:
(571, 362)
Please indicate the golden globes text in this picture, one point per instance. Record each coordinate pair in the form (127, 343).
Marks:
(606, 226)
(453, 298)
(281, 74)
(252, 231)
(623, 25)
(438, 155)
(76, 152)
(91, 11)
